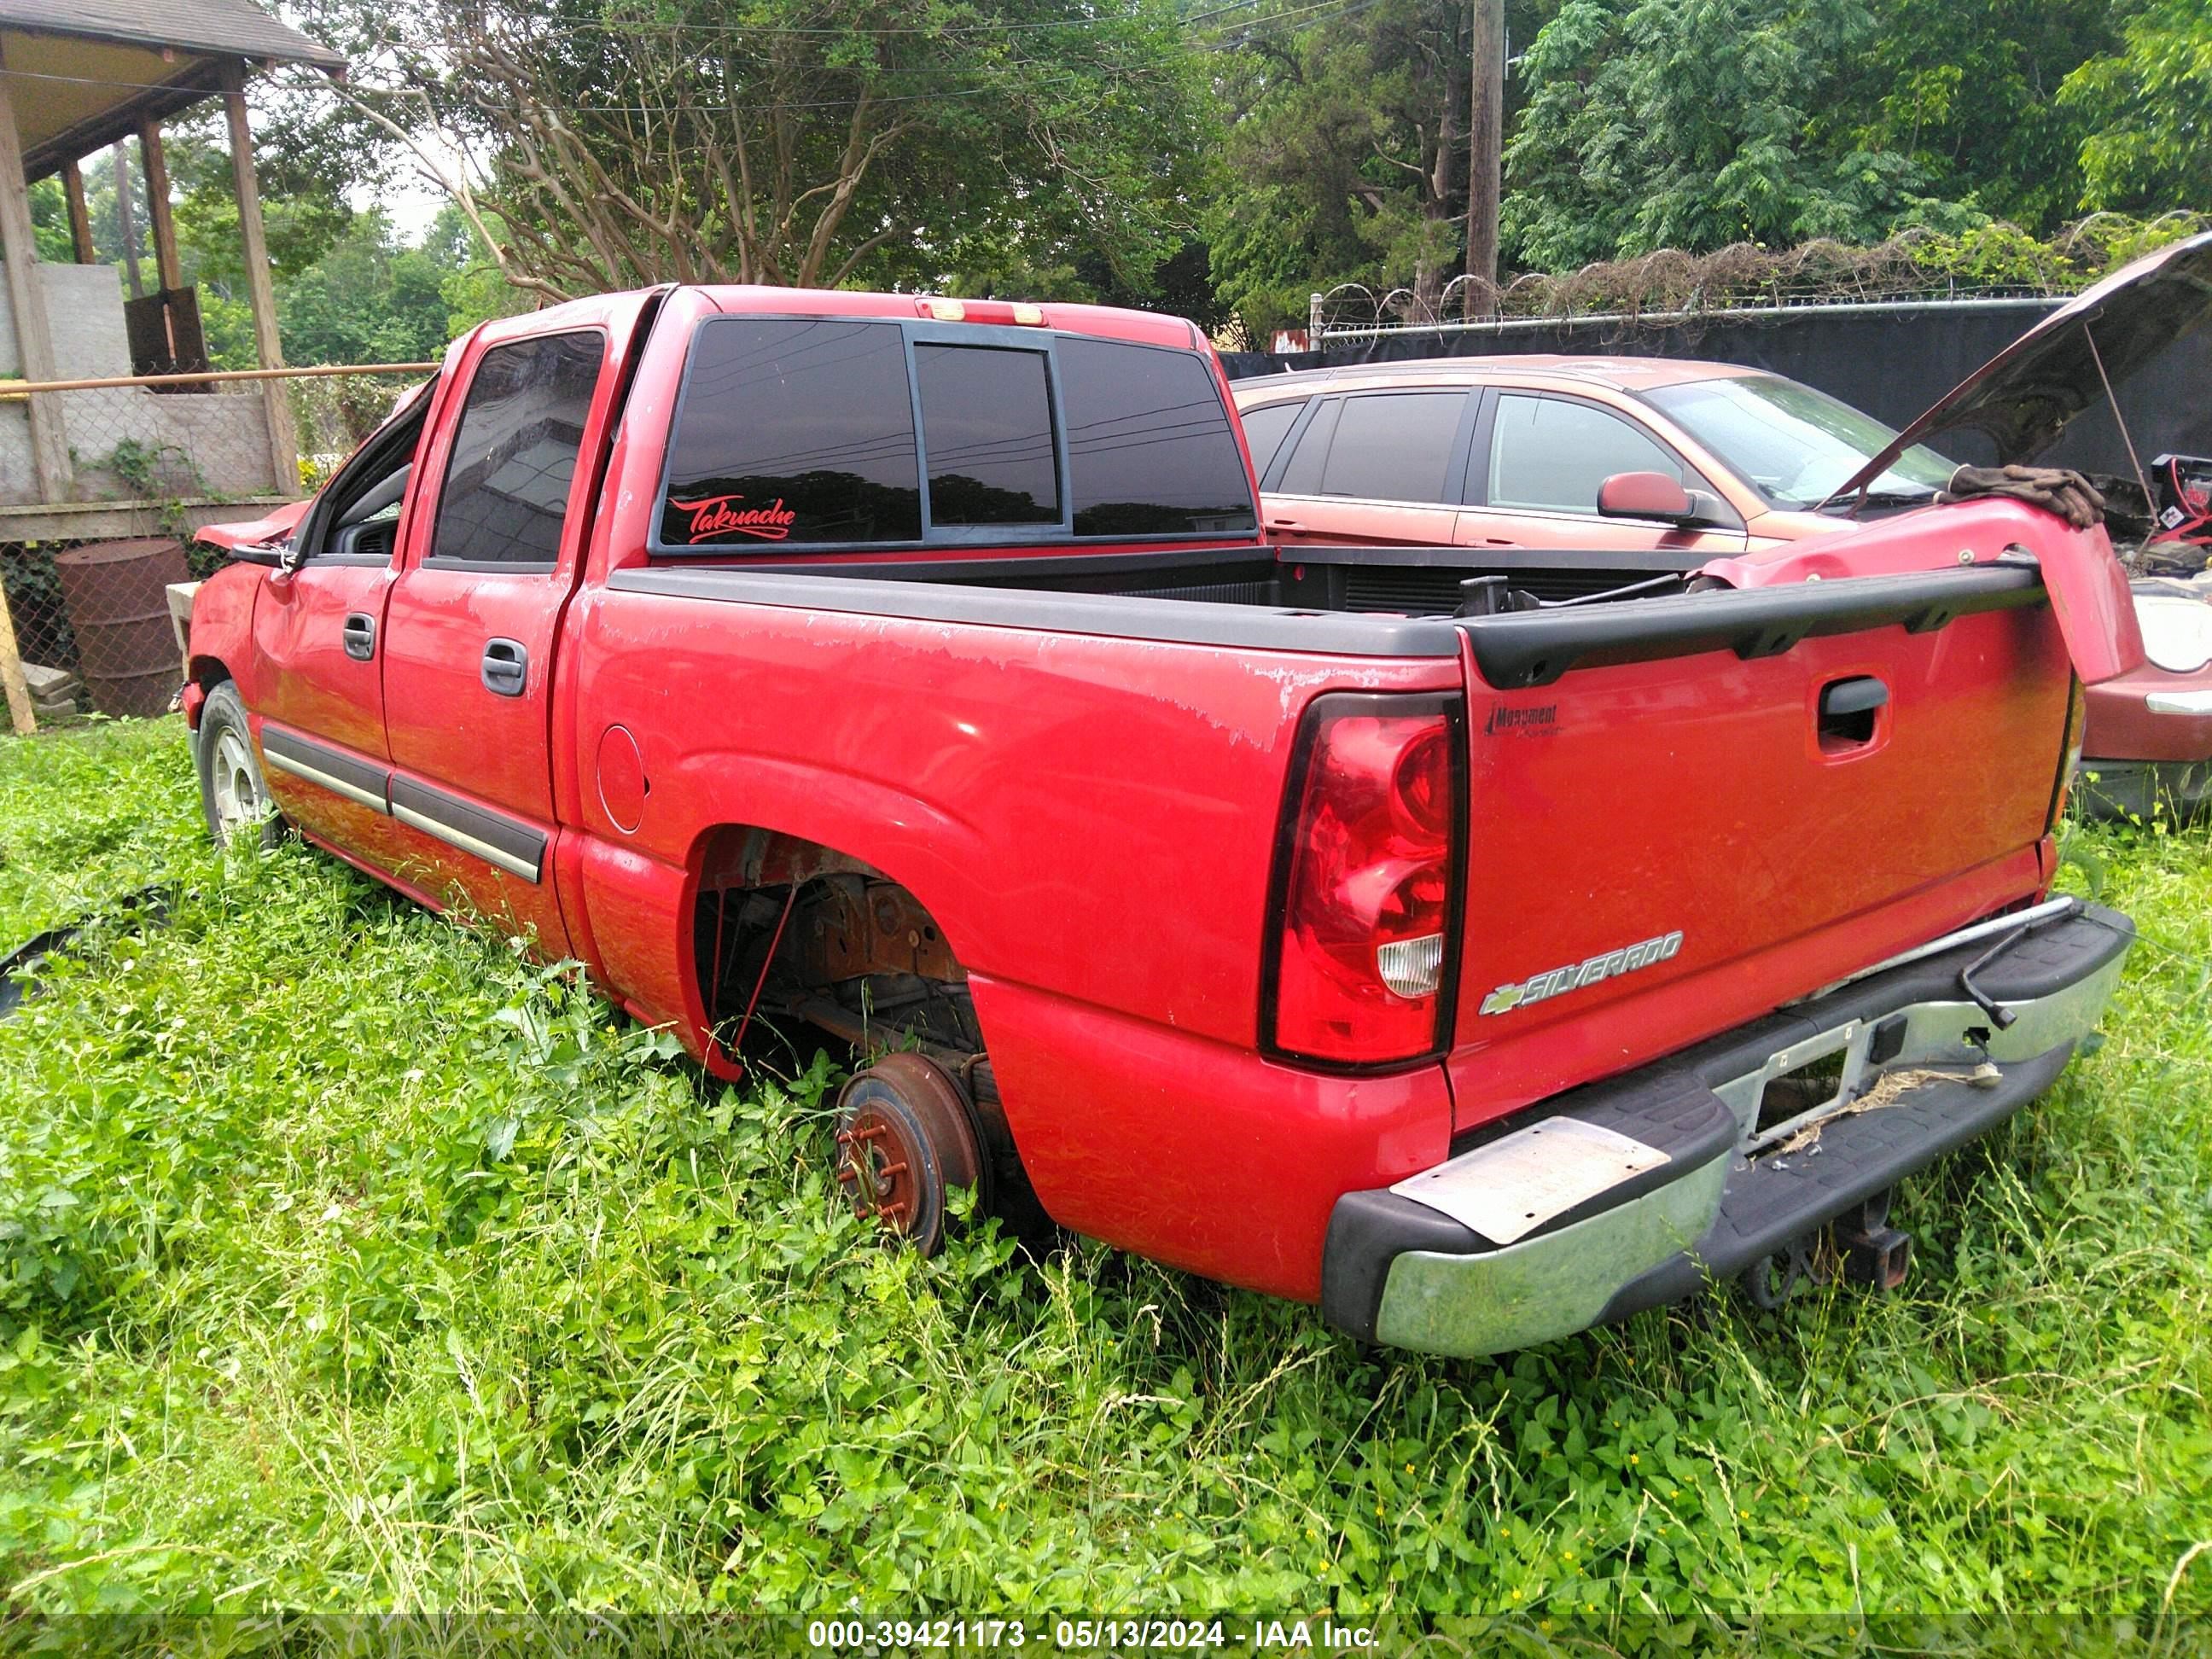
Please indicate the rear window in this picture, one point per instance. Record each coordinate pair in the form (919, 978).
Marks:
(1150, 451)
(794, 431)
(987, 424)
(802, 432)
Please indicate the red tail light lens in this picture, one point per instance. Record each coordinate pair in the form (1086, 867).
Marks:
(1367, 878)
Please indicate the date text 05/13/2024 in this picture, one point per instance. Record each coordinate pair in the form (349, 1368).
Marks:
(1093, 1635)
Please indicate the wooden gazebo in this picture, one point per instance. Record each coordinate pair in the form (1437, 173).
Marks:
(76, 77)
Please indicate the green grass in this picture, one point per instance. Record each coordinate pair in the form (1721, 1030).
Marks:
(348, 1261)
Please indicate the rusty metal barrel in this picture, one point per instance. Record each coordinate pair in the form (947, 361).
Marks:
(115, 596)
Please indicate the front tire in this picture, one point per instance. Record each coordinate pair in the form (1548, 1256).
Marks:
(234, 794)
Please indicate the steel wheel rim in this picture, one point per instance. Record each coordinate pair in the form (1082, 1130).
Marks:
(237, 797)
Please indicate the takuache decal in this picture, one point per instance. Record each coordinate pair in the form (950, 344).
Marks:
(1604, 965)
(716, 516)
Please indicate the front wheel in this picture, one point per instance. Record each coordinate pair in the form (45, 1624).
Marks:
(232, 792)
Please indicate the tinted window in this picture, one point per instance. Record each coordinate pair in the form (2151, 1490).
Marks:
(1150, 449)
(1548, 453)
(793, 430)
(987, 424)
(514, 457)
(1395, 448)
(1266, 427)
(1303, 475)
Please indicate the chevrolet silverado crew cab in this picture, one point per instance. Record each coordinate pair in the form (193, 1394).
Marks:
(916, 671)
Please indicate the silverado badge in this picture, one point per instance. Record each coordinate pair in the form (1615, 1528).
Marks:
(1575, 976)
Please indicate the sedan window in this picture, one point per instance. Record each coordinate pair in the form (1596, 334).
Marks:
(1551, 453)
(1396, 447)
(1264, 429)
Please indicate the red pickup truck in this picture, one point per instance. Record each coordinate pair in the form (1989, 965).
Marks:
(915, 670)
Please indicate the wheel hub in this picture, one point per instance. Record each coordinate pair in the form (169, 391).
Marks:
(876, 1168)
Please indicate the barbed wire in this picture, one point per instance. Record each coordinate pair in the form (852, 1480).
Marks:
(1997, 261)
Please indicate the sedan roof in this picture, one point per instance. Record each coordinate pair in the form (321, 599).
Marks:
(1621, 373)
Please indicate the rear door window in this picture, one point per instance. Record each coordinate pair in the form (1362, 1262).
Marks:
(1395, 447)
(793, 430)
(1552, 453)
(513, 461)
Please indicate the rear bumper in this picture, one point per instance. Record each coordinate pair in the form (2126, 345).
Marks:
(1637, 1192)
(2148, 715)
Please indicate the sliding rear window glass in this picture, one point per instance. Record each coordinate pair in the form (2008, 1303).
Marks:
(800, 432)
(1150, 451)
(987, 423)
(793, 430)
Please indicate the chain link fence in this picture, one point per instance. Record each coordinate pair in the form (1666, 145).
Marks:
(87, 578)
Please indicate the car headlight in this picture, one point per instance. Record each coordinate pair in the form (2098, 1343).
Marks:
(2177, 633)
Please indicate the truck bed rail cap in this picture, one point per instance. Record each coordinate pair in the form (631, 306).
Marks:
(1183, 622)
(1535, 648)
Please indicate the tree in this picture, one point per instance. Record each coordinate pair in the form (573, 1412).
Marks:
(2146, 106)
(1693, 123)
(794, 141)
(1687, 124)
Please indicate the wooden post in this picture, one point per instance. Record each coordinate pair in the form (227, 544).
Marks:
(80, 216)
(260, 293)
(1486, 140)
(164, 226)
(27, 300)
(124, 217)
(21, 714)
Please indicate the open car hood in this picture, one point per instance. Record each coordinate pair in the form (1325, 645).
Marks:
(2022, 399)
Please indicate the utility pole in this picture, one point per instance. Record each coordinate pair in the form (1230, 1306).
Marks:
(1486, 140)
(124, 218)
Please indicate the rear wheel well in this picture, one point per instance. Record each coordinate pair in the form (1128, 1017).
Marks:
(788, 934)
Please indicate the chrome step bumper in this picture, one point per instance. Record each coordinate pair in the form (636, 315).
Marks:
(1640, 1190)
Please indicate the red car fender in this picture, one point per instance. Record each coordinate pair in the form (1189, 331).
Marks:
(222, 631)
(2088, 587)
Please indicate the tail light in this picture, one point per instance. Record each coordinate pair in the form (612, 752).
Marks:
(2069, 756)
(1367, 882)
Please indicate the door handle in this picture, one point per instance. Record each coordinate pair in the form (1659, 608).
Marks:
(359, 635)
(506, 667)
(1849, 712)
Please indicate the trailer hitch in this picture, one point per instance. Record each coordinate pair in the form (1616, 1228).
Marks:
(1873, 1252)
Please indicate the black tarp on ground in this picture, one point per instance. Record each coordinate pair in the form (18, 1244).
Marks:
(1892, 362)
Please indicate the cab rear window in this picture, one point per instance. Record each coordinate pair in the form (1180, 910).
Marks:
(841, 432)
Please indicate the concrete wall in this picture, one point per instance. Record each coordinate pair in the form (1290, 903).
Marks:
(194, 443)
(84, 312)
